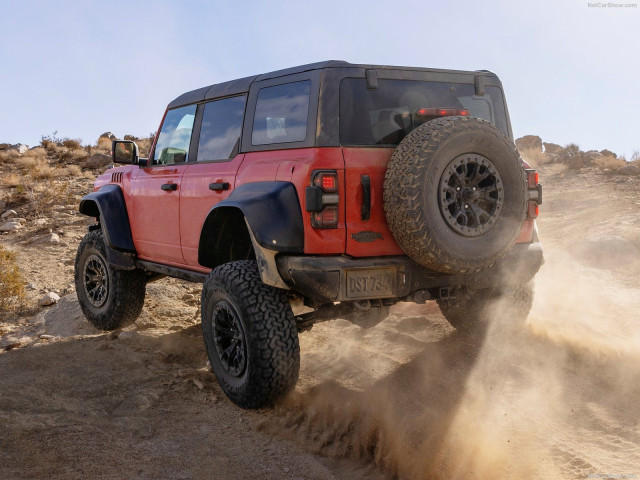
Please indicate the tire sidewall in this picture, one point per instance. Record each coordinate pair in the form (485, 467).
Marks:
(508, 224)
(95, 247)
(234, 386)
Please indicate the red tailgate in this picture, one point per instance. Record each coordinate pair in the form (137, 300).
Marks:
(367, 237)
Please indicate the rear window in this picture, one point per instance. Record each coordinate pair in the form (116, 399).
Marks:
(385, 115)
(281, 114)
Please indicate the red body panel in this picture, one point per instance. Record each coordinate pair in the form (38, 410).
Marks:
(154, 214)
(296, 166)
(372, 162)
(196, 200)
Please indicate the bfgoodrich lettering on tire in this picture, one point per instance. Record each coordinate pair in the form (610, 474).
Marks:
(250, 334)
(455, 194)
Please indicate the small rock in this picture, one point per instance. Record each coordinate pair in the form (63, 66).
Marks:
(10, 226)
(188, 297)
(286, 469)
(39, 222)
(198, 383)
(20, 220)
(628, 170)
(69, 261)
(49, 298)
(48, 238)
(8, 214)
(31, 286)
(47, 337)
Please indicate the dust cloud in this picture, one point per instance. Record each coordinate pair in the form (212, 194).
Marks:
(555, 398)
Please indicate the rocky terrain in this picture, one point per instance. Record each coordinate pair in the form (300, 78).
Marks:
(409, 398)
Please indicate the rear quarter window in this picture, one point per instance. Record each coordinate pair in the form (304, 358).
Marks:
(281, 114)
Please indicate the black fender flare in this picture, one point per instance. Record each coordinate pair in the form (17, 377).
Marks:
(272, 212)
(107, 204)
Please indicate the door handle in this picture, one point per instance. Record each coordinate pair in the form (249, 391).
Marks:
(169, 186)
(219, 186)
(365, 211)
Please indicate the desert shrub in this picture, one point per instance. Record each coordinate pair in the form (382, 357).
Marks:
(572, 149)
(8, 156)
(72, 144)
(11, 282)
(613, 163)
(104, 143)
(74, 171)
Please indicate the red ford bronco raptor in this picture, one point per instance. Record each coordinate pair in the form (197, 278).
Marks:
(319, 191)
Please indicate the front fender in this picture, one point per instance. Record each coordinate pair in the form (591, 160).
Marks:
(108, 205)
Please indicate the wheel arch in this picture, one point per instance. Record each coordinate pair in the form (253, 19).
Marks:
(265, 218)
(107, 205)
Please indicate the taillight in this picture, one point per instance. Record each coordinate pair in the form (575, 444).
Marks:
(534, 192)
(327, 218)
(322, 199)
(442, 112)
(327, 181)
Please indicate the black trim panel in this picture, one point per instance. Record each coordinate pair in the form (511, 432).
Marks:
(273, 212)
(108, 204)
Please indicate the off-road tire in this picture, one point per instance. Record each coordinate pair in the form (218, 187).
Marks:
(412, 187)
(125, 292)
(270, 335)
(470, 310)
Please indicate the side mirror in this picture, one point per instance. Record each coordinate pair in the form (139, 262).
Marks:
(124, 151)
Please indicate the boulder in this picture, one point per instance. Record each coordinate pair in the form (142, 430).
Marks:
(97, 160)
(592, 157)
(20, 148)
(553, 149)
(108, 135)
(608, 153)
(629, 170)
(529, 142)
(5, 146)
(49, 298)
(132, 138)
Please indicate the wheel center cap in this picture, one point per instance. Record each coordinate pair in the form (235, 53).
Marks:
(470, 195)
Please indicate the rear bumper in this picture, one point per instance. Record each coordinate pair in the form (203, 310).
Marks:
(326, 279)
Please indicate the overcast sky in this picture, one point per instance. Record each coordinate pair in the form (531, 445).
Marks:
(571, 72)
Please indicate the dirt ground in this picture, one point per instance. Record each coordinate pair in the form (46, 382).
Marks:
(409, 398)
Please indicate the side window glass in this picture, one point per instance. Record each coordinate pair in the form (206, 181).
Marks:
(281, 114)
(220, 131)
(175, 136)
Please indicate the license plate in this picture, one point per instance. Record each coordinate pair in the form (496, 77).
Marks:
(370, 283)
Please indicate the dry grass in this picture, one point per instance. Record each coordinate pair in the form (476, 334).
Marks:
(72, 144)
(612, 163)
(104, 143)
(11, 283)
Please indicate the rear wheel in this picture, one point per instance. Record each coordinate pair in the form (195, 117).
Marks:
(250, 335)
(110, 298)
(470, 309)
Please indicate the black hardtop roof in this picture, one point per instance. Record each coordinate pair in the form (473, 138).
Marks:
(241, 85)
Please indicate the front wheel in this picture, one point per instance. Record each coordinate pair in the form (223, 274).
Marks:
(469, 310)
(110, 298)
(250, 334)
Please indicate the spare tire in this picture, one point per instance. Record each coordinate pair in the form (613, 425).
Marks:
(455, 194)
